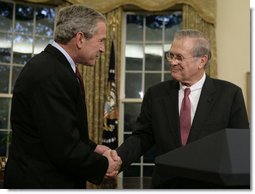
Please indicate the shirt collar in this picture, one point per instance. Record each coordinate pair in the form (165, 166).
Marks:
(196, 86)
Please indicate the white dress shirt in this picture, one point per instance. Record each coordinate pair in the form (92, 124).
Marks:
(195, 91)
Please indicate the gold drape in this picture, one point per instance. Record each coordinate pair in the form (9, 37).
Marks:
(192, 20)
(205, 8)
(96, 82)
(96, 78)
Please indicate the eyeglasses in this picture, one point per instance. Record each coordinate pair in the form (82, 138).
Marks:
(179, 58)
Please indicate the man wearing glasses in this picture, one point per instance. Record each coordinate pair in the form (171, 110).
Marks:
(189, 107)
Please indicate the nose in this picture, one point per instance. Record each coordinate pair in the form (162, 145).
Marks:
(174, 61)
(102, 48)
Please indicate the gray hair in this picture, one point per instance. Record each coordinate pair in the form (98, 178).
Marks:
(76, 18)
(201, 46)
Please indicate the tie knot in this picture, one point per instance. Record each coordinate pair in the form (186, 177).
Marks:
(186, 91)
(77, 71)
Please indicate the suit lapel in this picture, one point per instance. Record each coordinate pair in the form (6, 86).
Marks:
(203, 108)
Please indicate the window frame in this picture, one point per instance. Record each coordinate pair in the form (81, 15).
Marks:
(123, 100)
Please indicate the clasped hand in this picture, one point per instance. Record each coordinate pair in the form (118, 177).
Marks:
(113, 159)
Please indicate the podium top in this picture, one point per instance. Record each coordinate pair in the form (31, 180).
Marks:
(221, 158)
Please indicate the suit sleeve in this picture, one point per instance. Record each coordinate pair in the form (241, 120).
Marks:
(92, 144)
(142, 138)
(55, 106)
(238, 118)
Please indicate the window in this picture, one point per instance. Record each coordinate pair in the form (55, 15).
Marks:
(147, 40)
(25, 30)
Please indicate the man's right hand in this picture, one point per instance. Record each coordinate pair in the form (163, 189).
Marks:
(114, 163)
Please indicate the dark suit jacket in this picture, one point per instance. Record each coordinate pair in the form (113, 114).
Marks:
(50, 146)
(221, 105)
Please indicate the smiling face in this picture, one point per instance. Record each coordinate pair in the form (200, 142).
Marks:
(184, 66)
(90, 49)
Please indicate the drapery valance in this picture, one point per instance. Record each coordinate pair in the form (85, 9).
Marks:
(205, 8)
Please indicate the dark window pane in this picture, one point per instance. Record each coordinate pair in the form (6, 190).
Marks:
(5, 47)
(133, 86)
(21, 58)
(3, 143)
(151, 79)
(15, 73)
(22, 49)
(134, 63)
(132, 171)
(148, 171)
(5, 55)
(166, 64)
(6, 10)
(40, 44)
(134, 56)
(5, 104)
(24, 19)
(173, 23)
(131, 112)
(154, 24)
(167, 76)
(45, 21)
(153, 56)
(134, 28)
(150, 155)
(4, 81)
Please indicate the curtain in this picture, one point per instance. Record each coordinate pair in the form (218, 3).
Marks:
(95, 78)
(192, 20)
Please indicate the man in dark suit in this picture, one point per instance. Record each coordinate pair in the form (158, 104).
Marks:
(50, 145)
(213, 105)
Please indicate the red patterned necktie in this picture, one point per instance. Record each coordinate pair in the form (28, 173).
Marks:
(80, 81)
(185, 117)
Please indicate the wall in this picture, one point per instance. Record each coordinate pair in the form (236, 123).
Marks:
(233, 41)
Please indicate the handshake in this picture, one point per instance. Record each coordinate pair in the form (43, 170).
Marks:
(114, 161)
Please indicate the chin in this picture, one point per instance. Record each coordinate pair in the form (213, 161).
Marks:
(88, 63)
(175, 76)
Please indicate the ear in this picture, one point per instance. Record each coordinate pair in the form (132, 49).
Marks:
(79, 39)
(203, 61)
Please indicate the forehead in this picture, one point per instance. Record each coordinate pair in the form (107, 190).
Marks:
(101, 28)
(182, 45)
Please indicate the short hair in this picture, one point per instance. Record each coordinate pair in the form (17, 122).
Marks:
(76, 18)
(201, 43)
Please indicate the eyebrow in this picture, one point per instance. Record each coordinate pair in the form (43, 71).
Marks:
(176, 54)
